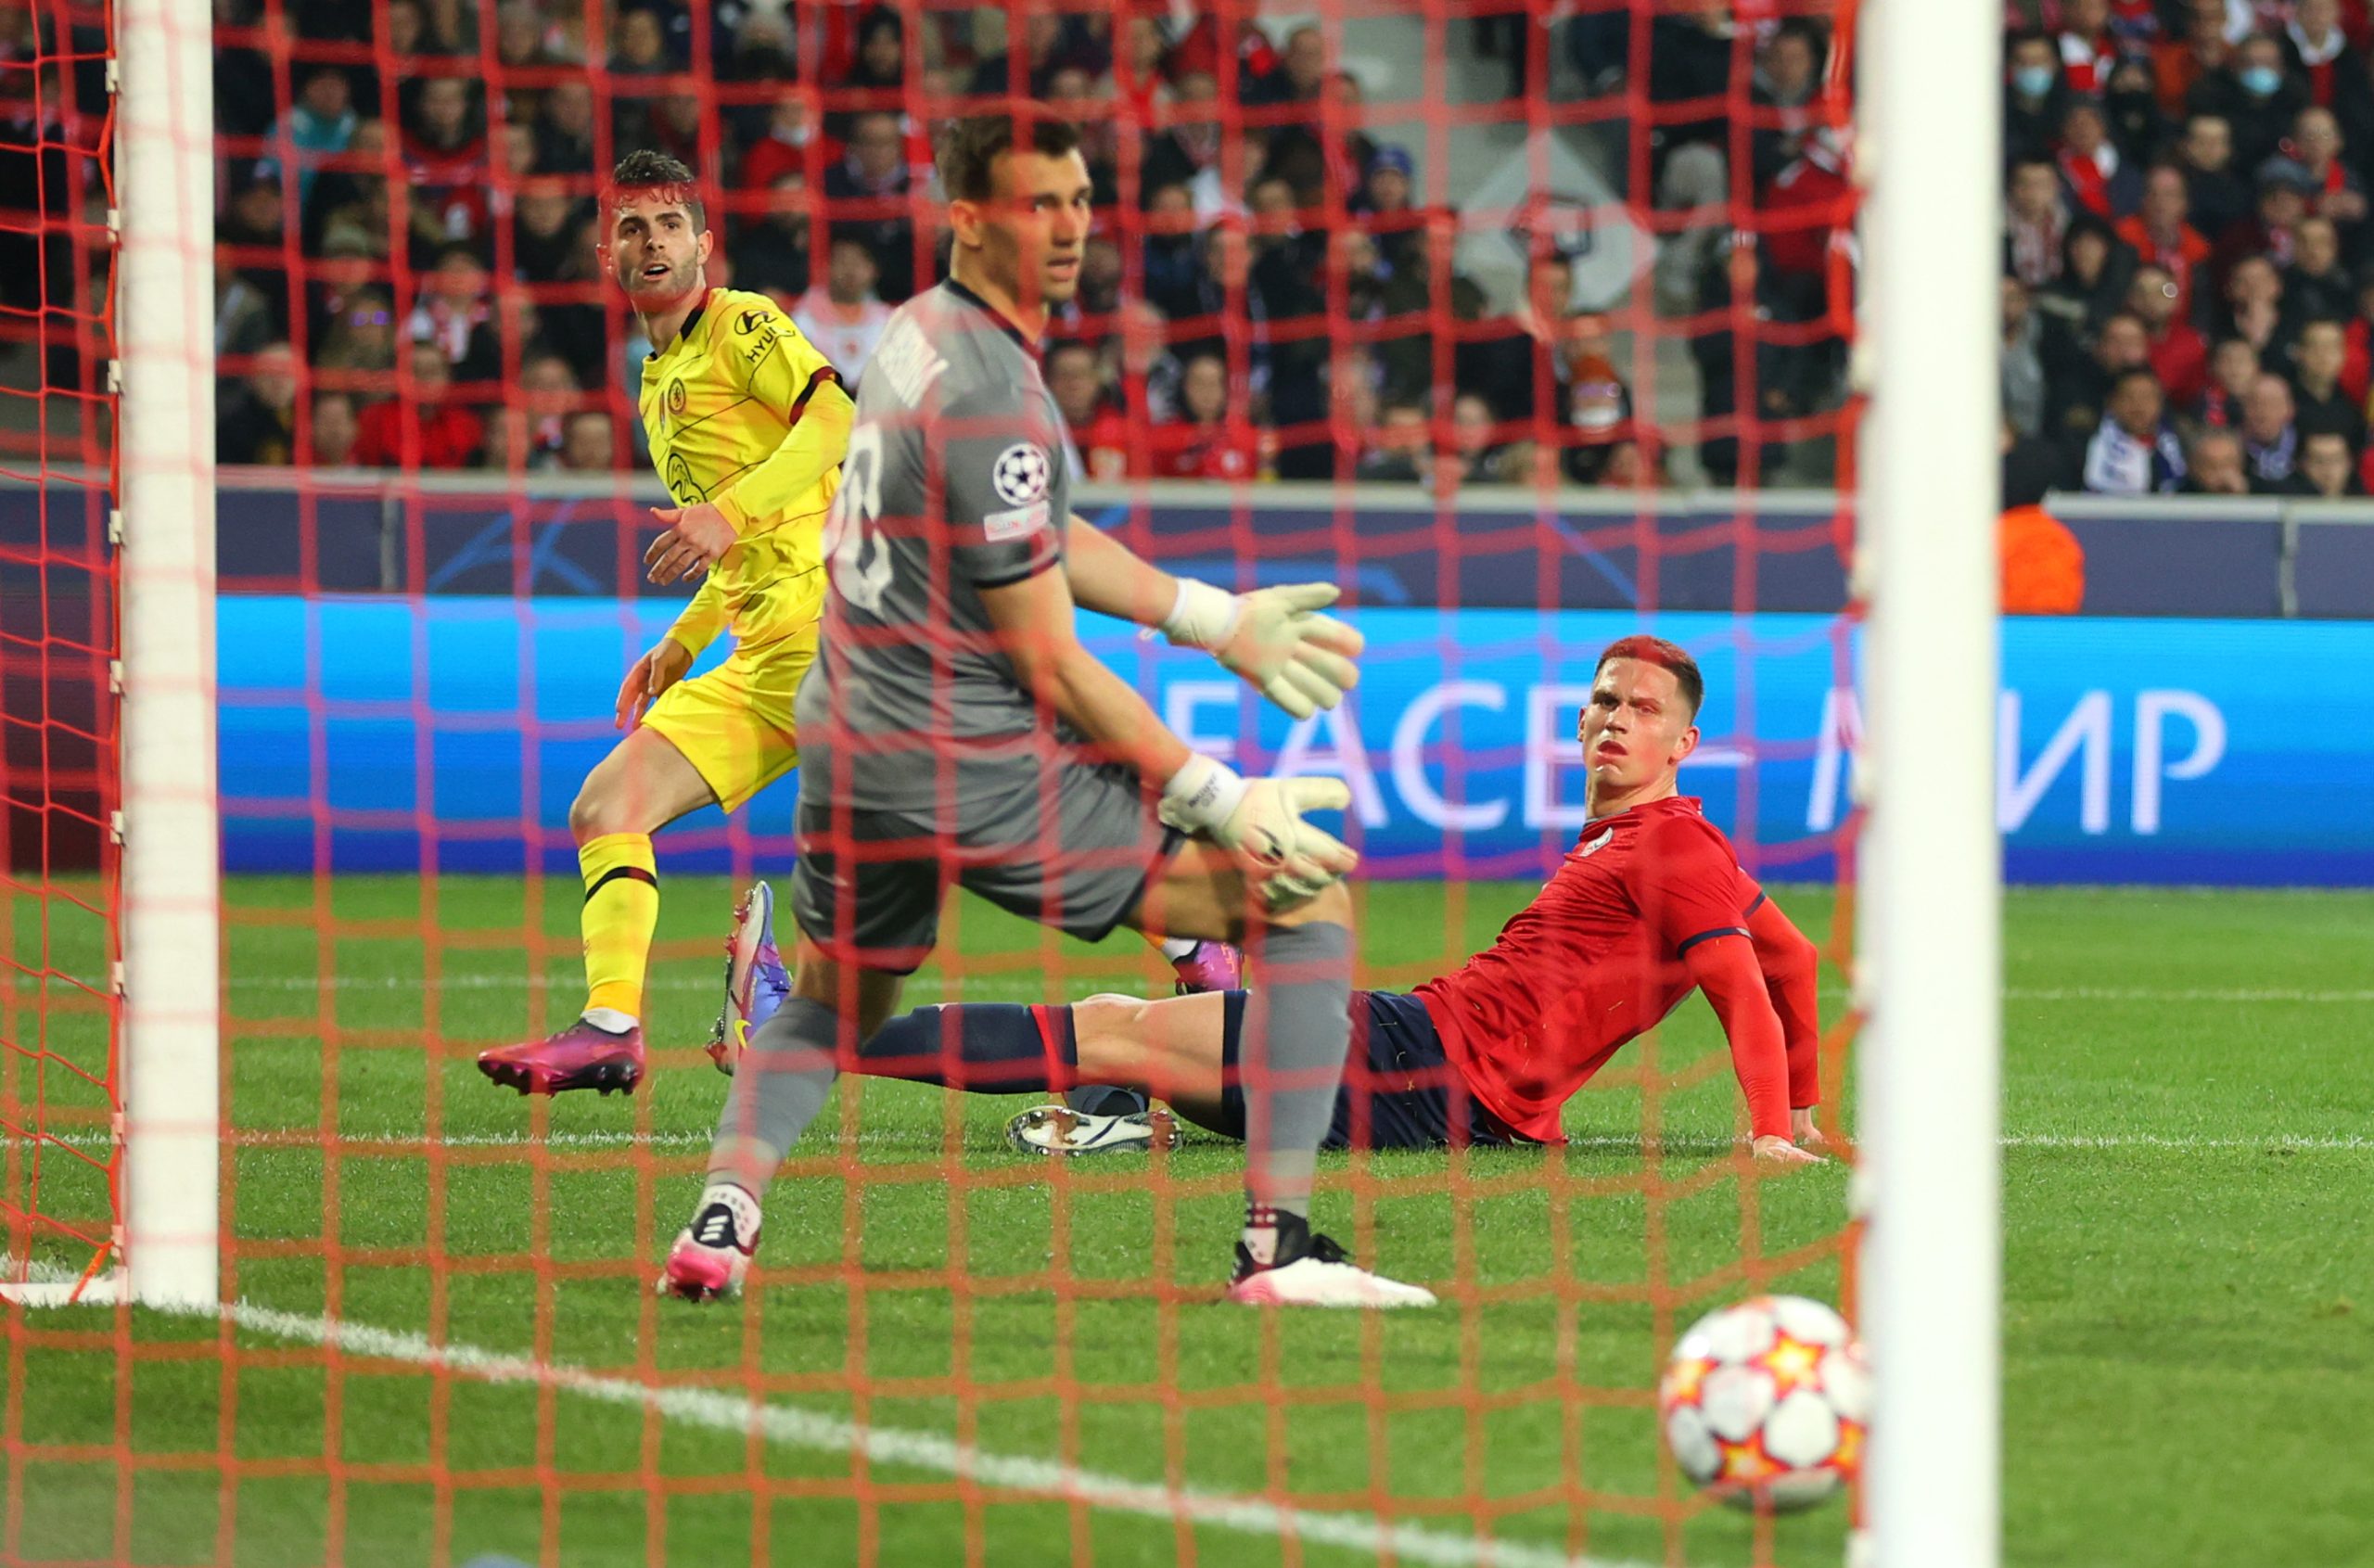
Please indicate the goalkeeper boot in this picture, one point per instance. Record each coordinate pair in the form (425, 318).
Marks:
(1059, 1130)
(1303, 1269)
(584, 1055)
(712, 1254)
(1212, 966)
(756, 978)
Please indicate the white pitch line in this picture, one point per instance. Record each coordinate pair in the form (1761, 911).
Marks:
(2189, 993)
(1020, 984)
(790, 1427)
(2271, 1142)
(419, 1144)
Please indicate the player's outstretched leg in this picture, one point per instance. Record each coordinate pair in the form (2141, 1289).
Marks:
(1098, 1118)
(780, 1084)
(641, 786)
(756, 980)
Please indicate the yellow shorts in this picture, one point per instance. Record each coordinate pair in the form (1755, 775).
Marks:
(735, 724)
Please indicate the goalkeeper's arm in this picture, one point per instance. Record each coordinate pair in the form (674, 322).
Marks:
(1258, 820)
(1274, 638)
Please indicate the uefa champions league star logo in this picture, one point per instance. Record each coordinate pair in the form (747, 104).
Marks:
(1020, 474)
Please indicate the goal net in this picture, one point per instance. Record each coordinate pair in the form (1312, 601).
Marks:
(1527, 325)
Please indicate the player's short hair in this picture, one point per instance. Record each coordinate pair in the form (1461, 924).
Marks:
(648, 172)
(971, 144)
(1668, 657)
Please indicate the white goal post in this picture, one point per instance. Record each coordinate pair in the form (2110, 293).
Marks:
(168, 1047)
(1929, 871)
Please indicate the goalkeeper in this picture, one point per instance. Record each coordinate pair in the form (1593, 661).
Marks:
(958, 733)
(1650, 904)
(747, 423)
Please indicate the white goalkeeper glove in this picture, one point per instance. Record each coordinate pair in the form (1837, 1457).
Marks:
(1275, 638)
(1259, 822)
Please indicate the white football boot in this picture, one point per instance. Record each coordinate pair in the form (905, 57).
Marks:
(1060, 1130)
(1309, 1269)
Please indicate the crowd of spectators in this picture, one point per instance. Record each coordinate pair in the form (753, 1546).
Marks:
(2188, 262)
(410, 265)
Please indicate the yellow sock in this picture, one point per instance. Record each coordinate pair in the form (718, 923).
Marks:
(621, 910)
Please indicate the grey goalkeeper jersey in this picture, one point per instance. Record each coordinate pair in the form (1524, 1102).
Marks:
(954, 483)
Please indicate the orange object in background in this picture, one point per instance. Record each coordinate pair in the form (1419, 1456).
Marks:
(2044, 567)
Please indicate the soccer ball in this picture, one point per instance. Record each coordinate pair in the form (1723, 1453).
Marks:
(1766, 1403)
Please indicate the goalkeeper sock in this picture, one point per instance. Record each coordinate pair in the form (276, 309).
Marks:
(779, 1085)
(1176, 948)
(622, 910)
(1299, 1025)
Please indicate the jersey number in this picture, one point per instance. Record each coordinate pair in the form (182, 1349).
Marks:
(861, 562)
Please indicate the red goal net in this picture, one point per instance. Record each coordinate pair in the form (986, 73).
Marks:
(1527, 324)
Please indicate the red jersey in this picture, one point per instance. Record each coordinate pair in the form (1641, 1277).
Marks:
(448, 435)
(1593, 961)
(1228, 450)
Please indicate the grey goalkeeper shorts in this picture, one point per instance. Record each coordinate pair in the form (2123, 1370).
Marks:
(869, 884)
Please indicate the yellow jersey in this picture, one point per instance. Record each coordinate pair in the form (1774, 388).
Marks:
(743, 413)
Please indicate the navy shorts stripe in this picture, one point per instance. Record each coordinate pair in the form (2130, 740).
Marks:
(1400, 1090)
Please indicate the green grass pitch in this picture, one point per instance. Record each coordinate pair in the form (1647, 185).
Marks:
(2186, 1318)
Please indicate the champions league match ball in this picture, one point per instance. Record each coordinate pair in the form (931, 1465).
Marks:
(1767, 1402)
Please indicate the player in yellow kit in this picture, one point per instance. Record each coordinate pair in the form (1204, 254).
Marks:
(747, 423)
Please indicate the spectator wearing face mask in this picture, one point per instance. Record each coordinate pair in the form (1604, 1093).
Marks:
(2136, 121)
(2255, 95)
(2033, 97)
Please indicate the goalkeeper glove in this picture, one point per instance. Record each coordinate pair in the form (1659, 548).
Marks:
(1259, 822)
(1275, 638)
